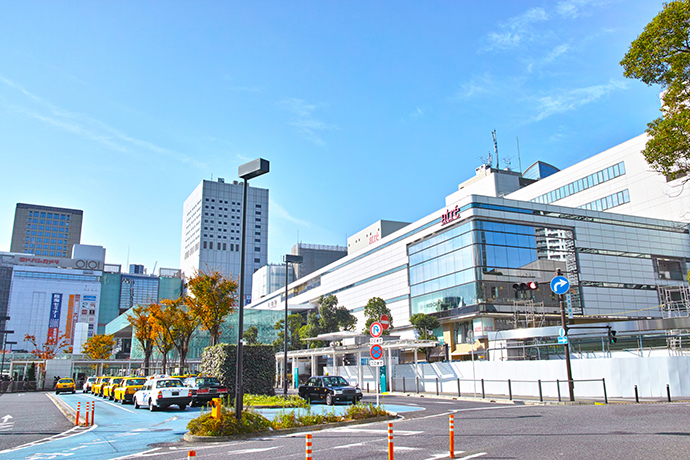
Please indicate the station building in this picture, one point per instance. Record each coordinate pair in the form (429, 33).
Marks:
(468, 263)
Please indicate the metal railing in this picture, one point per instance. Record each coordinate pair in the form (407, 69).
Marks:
(497, 388)
(21, 386)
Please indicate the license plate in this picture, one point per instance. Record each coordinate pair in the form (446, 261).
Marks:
(175, 393)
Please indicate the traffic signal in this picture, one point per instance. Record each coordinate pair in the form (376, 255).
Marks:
(531, 286)
(612, 336)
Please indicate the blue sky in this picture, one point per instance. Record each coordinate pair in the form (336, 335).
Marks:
(366, 110)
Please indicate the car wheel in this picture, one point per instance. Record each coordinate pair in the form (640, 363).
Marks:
(136, 403)
(183, 406)
(57, 392)
(152, 407)
(329, 399)
(74, 391)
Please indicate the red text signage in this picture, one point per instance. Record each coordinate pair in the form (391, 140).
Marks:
(450, 215)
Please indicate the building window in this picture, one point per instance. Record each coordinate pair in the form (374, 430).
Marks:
(257, 240)
(224, 246)
(258, 205)
(257, 226)
(258, 261)
(205, 245)
(257, 220)
(258, 213)
(257, 249)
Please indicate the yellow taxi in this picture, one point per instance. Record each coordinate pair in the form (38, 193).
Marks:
(129, 385)
(108, 389)
(96, 384)
(65, 386)
(97, 388)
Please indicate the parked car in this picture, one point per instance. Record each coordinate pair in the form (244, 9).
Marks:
(130, 385)
(329, 388)
(98, 387)
(205, 389)
(107, 391)
(87, 385)
(160, 393)
(65, 386)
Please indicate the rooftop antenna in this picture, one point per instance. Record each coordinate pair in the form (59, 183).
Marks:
(518, 147)
(493, 135)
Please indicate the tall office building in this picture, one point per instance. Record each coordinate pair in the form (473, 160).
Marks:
(211, 230)
(45, 230)
(315, 256)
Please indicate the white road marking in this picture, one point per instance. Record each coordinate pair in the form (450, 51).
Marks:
(443, 455)
(6, 418)
(405, 449)
(146, 453)
(251, 451)
(51, 438)
(347, 446)
(119, 407)
(481, 454)
(369, 430)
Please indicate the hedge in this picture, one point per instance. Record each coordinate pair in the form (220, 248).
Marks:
(259, 367)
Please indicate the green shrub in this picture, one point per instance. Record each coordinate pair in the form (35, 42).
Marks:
(227, 424)
(361, 411)
(259, 367)
(294, 419)
(276, 401)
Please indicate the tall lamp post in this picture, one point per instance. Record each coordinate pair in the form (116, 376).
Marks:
(247, 171)
(288, 259)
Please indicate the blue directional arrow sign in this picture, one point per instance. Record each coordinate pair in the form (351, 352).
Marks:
(560, 285)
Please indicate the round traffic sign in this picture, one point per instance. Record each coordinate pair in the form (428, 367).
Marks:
(376, 352)
(376, 329)
(385, 321)
(560, 285)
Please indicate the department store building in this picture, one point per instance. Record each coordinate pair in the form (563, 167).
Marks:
(472, 262)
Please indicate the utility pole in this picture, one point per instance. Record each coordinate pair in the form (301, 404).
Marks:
(564, 324)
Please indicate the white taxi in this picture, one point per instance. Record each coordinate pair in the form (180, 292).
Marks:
(160, 393)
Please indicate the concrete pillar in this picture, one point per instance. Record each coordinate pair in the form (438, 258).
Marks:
(416, 362)
(359, 369)
(389, 380)
(335, 363)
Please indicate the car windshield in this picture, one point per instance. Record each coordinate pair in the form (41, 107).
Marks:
(208, 381)
(136, 381)
(335, 381)
(66, 381)
(168, 384)
(91, 379)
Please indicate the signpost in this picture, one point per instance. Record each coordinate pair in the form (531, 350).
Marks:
(560, 285)
(376, 351)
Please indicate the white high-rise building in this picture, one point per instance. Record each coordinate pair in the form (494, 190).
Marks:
(211, 230)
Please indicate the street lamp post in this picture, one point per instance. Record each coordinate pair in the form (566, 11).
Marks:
(247, 171)
(288, 259)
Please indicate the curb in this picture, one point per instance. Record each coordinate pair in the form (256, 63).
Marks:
(515, 402)
(300, 429)
(69, 413)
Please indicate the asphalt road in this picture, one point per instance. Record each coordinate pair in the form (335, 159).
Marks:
(28, 417)
(483, 430)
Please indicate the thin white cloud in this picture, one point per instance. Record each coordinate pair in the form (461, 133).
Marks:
(479, 84)
(565, 101)
(572, 9)
(303, 119)
(515, 30)
(557, 51)
(416, 113)
(279, 211)
(88, 127)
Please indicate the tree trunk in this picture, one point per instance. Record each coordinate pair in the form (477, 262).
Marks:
(164, 362)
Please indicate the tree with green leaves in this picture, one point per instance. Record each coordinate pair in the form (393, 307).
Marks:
(311, 329)
(373, 310)
(213, 297)
(661, 56)
(424, 325)
(330, 318)
(251, 336)
(295, 322)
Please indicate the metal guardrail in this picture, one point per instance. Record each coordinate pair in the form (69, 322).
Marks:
(419, 385)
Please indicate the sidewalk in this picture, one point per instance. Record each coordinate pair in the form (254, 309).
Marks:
(533, 400)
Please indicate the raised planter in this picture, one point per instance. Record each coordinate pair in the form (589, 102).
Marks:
(300, 429)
